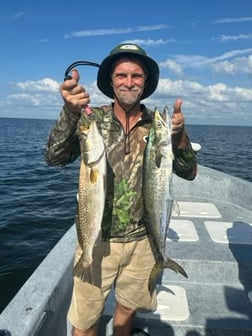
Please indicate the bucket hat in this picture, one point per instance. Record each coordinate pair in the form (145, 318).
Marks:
(104, 72)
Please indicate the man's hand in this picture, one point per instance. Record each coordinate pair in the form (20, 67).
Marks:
(178, 118)
(74, 94)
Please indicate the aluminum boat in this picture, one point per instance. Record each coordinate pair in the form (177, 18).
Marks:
(211, 238)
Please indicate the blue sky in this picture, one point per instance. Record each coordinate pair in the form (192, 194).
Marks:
(203, 48)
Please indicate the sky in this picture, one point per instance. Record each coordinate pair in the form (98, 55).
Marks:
(203, 49)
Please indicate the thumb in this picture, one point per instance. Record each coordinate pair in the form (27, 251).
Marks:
(177, 106)
(75, 75)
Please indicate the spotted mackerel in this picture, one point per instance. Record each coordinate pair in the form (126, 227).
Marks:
(157, 191)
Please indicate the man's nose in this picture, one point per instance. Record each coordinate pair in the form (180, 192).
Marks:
(129, 80)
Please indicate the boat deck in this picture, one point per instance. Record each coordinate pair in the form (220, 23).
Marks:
(216, 252)
(211, 238)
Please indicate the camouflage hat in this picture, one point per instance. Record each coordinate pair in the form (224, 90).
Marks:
(104, 72)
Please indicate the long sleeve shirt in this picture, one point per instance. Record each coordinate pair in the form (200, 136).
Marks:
(123, 218)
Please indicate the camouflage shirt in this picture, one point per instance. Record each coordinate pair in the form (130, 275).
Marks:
(123, 214)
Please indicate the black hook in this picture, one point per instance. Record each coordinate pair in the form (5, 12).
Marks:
(73, 65)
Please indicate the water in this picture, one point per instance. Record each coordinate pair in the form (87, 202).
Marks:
(226, 148)
(37, 202)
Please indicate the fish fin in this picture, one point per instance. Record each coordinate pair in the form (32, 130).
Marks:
(85, 273)
(158, 157)
(165, 115)
(155, 272)
(83, 129)
(93, 175)
(173, 265)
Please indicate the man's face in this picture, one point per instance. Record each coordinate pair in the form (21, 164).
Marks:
(128, 81)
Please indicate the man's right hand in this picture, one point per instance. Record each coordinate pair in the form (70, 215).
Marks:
(73, 93)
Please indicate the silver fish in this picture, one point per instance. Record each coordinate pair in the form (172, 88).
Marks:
(157, 192)
(91, 196)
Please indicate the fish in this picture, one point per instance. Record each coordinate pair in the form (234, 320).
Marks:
(91, 196)
(158, 197)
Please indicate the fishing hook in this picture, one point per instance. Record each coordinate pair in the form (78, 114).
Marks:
(73, 65)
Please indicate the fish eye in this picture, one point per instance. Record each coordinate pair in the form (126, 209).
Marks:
(159, 124)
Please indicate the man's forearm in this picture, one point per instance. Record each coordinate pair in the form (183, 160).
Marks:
(63, 142)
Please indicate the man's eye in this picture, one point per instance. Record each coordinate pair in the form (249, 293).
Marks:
(138, 76)
(120, 76)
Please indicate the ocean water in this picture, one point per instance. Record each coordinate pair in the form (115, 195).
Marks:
(37, 202)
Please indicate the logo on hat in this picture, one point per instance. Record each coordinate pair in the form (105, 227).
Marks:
(129, 46)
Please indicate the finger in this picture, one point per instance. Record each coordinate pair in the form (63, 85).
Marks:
(75, 75)
(177, 128)
(178, 124)
(178, 120)
(177, 106)
(71, 82)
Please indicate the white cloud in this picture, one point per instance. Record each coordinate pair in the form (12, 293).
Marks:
(45, 85)
(224, 38)
(149, 42)
(217, 93)
(229, 63)
(195, 61)
(39, 100)
(185, 88)
(201, 103)
(211, 103)
(114, 31)
(195, 90)
(23, 98)
(172, 66)
(238, 65)
(233, 20)
(232, 54)
(152, 27)
(43, 93)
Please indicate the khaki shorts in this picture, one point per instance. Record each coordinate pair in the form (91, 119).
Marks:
(127, 266)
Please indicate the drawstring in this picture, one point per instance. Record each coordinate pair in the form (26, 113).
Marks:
(127, 130)
(127, 140)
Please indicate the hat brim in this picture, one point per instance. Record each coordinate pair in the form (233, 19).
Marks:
(104, 79)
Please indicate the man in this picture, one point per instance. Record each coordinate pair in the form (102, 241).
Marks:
(124, 258)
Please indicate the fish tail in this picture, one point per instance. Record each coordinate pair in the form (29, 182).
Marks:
(156, 270)
(159, 266)
(173, 265)
(83, 272)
